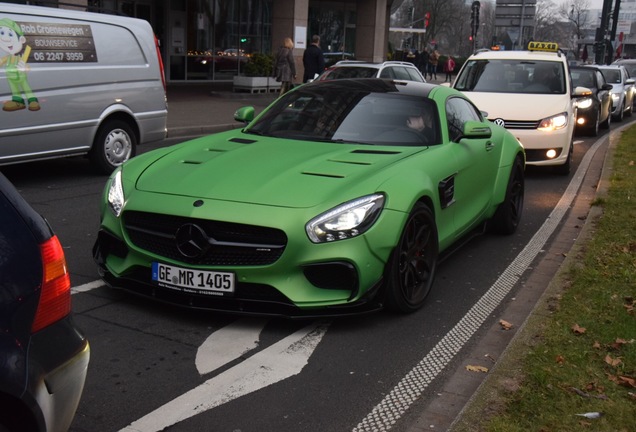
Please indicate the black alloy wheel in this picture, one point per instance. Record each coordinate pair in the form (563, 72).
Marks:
(411, 269)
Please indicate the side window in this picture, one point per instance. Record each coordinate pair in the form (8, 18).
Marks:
(401, 73)
(414, 75)
(387, 72)
(458, 112)
(599, 79)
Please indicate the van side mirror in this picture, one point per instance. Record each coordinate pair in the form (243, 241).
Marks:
(244, 114)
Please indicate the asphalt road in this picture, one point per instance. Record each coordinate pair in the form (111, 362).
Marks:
(156, 367)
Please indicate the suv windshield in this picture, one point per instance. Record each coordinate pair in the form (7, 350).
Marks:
(512, 76)
(345, 115)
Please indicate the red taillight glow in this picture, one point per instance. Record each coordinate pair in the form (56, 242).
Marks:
(163, 74)
(55, 296)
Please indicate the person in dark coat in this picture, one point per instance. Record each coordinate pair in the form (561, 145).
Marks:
(284, 66)
(313, 60)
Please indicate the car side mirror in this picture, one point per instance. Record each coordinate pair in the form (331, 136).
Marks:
(476, 129)
(244, 114)
(607, 87)
(581, 92)
(630, 81)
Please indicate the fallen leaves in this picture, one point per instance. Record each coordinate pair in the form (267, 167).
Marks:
(472, 368)
(577, 329)
(505, 325)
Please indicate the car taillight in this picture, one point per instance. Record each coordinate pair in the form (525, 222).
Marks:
(55, 295)
(163, 74)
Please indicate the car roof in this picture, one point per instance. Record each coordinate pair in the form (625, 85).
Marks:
(379, 85)
(346, 63)
(518, 55)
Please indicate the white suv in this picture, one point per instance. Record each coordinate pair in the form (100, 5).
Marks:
(529, 93)
(396, 70)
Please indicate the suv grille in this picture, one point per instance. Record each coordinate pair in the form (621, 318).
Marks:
(228, 244)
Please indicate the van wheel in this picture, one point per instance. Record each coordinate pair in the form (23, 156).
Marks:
(114, 144)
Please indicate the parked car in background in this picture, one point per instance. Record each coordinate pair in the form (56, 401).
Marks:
(332, 58)
(337, 199)
(358, 69)
(43, 355)
(629, 64)
(596, 109)
(622, 90)
(78, 83)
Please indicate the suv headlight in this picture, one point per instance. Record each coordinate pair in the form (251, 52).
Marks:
(555, 122)
(346, 220)
(116, 194)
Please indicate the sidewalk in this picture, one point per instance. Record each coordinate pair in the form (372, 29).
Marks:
(201, 109)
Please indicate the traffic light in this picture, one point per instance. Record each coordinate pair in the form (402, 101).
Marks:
(427, 18)
(474, 17)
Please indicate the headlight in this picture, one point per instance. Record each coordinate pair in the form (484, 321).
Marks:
(345, 221)
(584, 103)
(116, 194)
(615, 97)
(558, 121)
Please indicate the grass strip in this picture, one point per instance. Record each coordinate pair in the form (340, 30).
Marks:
(579, 358)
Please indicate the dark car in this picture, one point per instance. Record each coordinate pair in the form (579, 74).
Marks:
(43, 356)
(595, 109)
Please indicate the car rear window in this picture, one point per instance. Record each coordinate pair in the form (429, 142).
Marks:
(352, 72)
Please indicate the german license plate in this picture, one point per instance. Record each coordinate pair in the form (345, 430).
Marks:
(193, 281)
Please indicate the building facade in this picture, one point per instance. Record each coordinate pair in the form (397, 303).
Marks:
(211, 40)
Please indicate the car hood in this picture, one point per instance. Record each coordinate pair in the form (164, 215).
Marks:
(260, 170)
(523, 107)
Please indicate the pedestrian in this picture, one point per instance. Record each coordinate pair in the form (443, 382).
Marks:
(313, 60)
(433, 60)
(422, 63)
(284, 66)
(449, 67)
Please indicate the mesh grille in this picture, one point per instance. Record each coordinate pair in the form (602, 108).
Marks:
(250, 244)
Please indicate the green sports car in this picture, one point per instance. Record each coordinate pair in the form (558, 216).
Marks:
(336, 199)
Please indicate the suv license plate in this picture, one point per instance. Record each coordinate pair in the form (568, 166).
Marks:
(191, 280)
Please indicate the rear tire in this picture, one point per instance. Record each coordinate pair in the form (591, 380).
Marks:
(508, 214)
(411, 270)
(114, 144)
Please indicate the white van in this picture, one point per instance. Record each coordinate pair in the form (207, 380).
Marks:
(75, 83)
(529, 93)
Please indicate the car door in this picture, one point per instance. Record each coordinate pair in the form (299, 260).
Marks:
(604, 96)
(477, 161)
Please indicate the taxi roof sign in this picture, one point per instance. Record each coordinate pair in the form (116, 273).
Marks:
(543, 46)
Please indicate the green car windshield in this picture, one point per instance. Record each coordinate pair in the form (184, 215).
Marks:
(351, 116)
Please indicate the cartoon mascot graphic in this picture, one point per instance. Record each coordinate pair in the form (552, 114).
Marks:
(12, 41)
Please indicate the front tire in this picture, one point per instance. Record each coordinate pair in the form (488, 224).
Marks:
(114, 144)
(411, 269)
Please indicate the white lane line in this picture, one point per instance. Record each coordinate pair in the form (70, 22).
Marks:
(228, 344)
(386, 414)
(280, 361)
(87, 286)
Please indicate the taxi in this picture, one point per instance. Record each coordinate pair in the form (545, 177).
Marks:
(529, 93)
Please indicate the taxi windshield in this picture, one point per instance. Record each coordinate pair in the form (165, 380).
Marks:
(512, 76)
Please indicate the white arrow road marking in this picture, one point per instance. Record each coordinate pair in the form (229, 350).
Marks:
(282, 360)
(228, 344)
